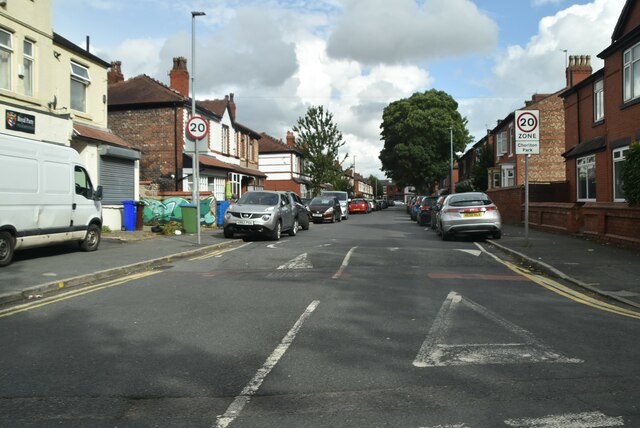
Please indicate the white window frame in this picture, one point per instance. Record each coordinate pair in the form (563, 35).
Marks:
(6, 50)
(618, 156)
(511, 139)
(501, 143)
(631, 67)
(28, 64)
(225, 140)
(598, 100)
(588, 165)
(235, 179)
(78, 77)
(507, 175)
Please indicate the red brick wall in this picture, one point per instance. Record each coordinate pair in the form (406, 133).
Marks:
(548, 165)
(283, 185)
(154, 132)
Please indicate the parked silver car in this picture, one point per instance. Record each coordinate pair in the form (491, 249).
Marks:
(469, 213)
(262, 212)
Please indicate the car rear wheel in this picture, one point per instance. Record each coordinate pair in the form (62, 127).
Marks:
(7, 246)
(294, 228)
(305, 223)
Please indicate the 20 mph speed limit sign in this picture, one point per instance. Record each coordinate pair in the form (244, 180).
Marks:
(527, 132)
(197, 128)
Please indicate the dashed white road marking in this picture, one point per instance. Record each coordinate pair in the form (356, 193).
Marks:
(300, 262)
(344, 265)
(274, 244)
(434, 352)
(570, 420)
(238, 404)
(472, 252)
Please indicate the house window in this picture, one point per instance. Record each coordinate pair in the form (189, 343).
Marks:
(508, 176)
(234, 180)
(512, 139)
(27, 62)
(502, 143)
(598, 100)
(80, 79)
(586, 178)
(618, 160)
(225, 139)
(632, 73)
(6, 50)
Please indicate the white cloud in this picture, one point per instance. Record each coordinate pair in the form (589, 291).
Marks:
(539, 66)
(381, 31)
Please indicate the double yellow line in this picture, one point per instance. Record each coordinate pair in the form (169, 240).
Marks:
(565, 291)
(74, 293)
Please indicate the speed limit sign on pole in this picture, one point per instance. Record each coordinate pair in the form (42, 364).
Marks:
(197, 128)
(527, 132)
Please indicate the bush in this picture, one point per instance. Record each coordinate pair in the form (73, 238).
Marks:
(631, 174)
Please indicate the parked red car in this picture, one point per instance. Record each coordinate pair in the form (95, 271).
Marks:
(359, 206)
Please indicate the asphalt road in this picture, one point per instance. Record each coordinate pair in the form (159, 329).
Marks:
(370, 322)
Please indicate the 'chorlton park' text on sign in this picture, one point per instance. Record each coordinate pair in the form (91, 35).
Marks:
(527, 132)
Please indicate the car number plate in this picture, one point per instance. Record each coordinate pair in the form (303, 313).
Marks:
(317, 215)
(472, 215)
(244, 222)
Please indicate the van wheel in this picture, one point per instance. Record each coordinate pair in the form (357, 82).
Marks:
(294, 228)
(92, 239)
(7, 246)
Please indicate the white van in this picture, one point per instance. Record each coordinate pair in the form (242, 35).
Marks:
(343, 197)
(46, 197)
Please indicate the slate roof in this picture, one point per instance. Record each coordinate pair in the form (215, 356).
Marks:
(99, 135)
(269, 144)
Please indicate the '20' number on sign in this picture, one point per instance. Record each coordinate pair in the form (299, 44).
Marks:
(197, 128)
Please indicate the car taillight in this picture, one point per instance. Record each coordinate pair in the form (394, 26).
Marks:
(491, 208)
(451, 210)
(425, 208)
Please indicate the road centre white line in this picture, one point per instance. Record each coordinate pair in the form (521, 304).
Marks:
(344, 265)
(238, 404)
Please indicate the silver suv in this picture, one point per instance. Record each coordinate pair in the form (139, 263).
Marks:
(262, 212)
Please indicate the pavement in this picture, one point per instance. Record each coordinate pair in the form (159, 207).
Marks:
(605, 269)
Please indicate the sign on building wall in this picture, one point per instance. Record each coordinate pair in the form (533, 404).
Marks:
(527, 132)
(21, 122)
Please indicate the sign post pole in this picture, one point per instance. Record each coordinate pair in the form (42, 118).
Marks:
(527, 143)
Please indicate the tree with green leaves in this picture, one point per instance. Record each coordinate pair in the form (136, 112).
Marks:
(417, 143)
(376, 186)
(319, 139)
(631, 174)
(480, 174)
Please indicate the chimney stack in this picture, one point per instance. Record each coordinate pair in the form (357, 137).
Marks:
(579, 68)
(232, 107)
(114, 75)
(179, 76)
(291, 139)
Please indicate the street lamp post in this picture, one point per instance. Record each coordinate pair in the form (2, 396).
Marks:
(451, 189)
(196, 154)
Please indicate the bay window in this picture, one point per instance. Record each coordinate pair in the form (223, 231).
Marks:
(586, 170)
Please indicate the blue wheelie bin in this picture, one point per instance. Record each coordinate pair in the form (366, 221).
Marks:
(129, 215)
(221, 208)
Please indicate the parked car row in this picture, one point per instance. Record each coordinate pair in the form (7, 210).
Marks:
(468, 213)
(365, 206)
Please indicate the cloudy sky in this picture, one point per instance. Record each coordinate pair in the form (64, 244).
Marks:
(352, 56)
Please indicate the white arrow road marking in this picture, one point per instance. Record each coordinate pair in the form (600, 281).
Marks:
(434, 352)
(300, 262)
(572, 420)
(344, 265)
(472, 252)
(238, 404)
(274, 244)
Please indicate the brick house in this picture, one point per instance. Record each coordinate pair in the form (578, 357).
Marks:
(283, 164)
(602, 120)
(506, 179)
(153, 117)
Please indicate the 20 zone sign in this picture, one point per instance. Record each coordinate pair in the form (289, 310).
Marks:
(527, 132)
(197, 127)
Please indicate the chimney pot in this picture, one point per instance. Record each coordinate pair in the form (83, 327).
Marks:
(179, 76)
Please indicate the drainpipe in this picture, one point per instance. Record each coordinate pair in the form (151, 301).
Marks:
(175, 143)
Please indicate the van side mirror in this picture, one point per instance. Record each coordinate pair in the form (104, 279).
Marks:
(97, 194)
